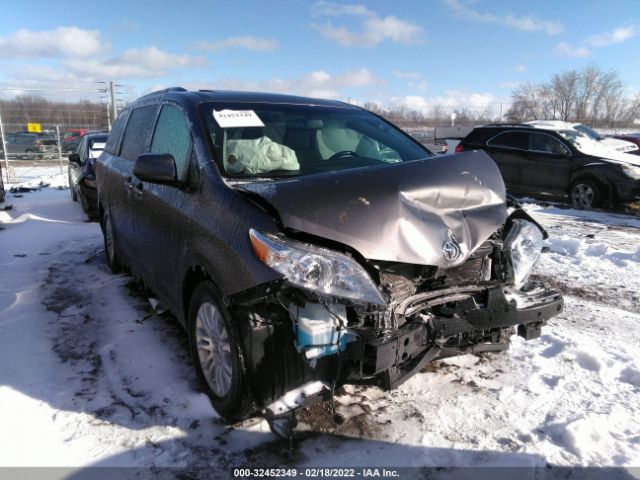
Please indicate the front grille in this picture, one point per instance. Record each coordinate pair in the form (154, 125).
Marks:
(470, 271)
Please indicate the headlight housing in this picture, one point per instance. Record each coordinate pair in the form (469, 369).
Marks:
(523, 245)
(320, 270)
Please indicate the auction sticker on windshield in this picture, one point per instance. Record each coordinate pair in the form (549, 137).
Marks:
(237, 118)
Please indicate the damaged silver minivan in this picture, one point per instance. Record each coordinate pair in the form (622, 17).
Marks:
(307, 243)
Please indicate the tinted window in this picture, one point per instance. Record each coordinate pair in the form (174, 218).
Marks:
(510, 140)
(135, 135)
(541, 142)
(172, 136)
(116, 133)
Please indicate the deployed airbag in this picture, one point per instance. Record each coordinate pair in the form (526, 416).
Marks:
(259, 155)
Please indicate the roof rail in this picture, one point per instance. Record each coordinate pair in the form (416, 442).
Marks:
(506, 125)
(162, 92)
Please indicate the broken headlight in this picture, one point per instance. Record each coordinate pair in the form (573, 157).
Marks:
(523, 245)
(320, 270)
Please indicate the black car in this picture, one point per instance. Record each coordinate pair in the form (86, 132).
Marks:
(308, 243)
(558, 163)
(82, 175)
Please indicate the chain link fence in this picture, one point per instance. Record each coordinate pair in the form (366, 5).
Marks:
(27, 146)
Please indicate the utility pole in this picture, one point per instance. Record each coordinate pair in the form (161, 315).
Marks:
(109, 92)
(112, 99)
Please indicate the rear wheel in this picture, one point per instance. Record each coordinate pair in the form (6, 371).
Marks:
(586, 193)
(74, 194)
(217, 355)
(111, 251)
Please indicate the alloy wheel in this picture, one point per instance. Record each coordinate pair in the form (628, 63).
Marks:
(583, 195)
(214, 349)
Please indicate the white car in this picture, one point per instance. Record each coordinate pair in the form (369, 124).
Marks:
(613, 143)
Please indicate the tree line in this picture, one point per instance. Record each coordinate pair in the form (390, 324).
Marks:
(24, 109)
(591, 95)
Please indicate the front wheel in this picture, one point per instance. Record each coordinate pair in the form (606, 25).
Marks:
(586, 193)
(217, 355)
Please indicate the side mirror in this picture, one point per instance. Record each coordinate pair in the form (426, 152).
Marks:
(75, 158)
(156, 168)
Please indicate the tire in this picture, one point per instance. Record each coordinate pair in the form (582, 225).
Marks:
(74, 194)
(110, 249)
(217, 355)
(586, 193)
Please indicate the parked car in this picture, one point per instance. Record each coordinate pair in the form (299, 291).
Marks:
(609, 142)
(632, 138)
(559, 164)
(308, 243)
(82, 175)
(24, 145)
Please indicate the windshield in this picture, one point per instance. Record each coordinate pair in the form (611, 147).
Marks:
(275, 140)
(590, 132)
(589, 146)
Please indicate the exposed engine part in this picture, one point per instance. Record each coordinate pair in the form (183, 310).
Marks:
(320, 329)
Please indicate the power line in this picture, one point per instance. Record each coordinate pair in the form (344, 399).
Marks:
(12, 89)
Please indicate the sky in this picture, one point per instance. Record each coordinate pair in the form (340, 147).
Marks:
(413, 53)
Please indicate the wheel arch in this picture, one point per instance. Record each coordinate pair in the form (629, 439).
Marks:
(601, 179)
(195, 275)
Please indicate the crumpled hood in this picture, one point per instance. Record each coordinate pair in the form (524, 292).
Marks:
(404, 212)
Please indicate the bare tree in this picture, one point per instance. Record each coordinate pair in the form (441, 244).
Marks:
(589, 95)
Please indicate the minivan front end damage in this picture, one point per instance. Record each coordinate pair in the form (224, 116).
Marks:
(332, 320)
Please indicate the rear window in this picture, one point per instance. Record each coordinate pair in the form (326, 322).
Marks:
(137, 131)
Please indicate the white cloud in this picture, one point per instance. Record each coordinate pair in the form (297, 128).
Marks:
(374, 29)
(523, 23)
(566, 50)
(320, 84)
(509, 85)
(619, 35)
(415, 81)
(147, 62)
(520, 68)
(451, 100)
(154, 58)
(247, 42)
(71, 42)
(408, 75)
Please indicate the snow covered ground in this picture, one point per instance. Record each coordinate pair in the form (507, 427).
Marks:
(90, 376)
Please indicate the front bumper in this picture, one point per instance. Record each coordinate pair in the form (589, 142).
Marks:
(481, 318)
(480, 322)
(627, 189)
